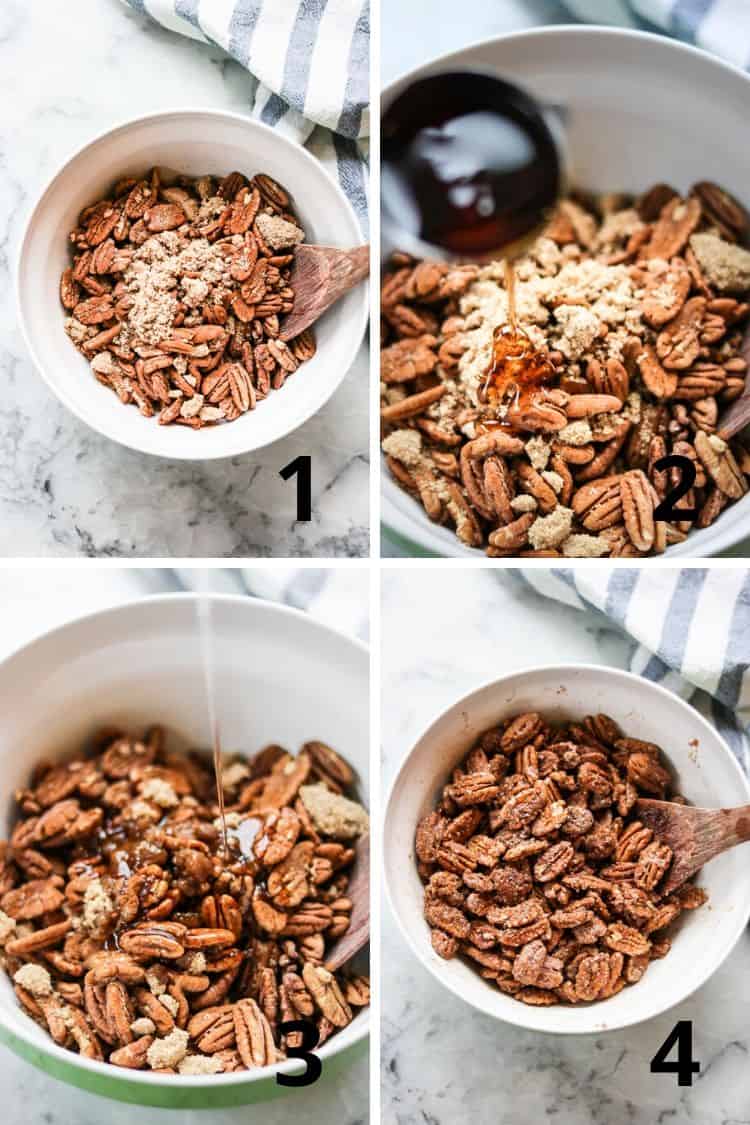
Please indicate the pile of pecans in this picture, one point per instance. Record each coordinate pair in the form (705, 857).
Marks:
(176, 291)
(639, 306)
(132, 937)
(536, 868)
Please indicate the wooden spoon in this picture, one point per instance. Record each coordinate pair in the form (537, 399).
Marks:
(358, 934)
(738, 414)
(320, 275)
(694, 835)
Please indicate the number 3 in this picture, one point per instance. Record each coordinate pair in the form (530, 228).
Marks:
(314, 1066)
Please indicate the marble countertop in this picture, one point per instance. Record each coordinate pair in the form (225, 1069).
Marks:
(67, 72)
(444, 1062)
(30, 1097)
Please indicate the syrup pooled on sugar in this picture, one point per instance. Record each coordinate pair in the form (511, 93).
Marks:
(517, 372)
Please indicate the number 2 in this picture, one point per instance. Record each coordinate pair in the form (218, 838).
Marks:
(667, 510)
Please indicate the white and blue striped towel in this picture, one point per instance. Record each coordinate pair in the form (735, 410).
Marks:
(721, 26)
(309, 64)
(690, 628)
(337, 597)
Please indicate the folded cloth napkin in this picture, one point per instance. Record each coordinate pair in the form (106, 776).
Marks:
(337, 597)
(721, 26)
(309, 60)
(690, 628)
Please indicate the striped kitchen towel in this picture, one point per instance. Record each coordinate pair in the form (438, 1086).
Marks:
(721, 26)
(309, 61)
(337, 597)
(690, 630)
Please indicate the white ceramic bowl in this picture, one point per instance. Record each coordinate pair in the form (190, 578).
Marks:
(194, 142)
(641, 109)
(706, 773)
(282, 678)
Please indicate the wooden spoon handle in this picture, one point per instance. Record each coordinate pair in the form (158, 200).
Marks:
(320, 276)
(736, 826)
(358, 934)
(348, 270)
(738, 414)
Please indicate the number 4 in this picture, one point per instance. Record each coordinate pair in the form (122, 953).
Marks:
(681, 1036)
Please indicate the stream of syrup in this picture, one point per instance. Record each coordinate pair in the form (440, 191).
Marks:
(206, 635)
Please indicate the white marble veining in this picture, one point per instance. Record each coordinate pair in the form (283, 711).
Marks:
(445, 632)
(68, 71)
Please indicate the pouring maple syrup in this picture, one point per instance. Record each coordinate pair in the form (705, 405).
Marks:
(205, 632)
(518, 370)
(472, 169)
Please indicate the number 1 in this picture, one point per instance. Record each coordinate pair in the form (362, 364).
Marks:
(301, 467)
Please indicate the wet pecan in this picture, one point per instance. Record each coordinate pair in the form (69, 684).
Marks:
(140, 933)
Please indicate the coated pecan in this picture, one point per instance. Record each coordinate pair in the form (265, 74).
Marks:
(550, 886)
(627, 940)
(148, 941)
(474, 788)
(554, 862)
(521, 731)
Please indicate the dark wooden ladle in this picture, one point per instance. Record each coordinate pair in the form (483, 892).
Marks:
(358, 934)
(694, 835)
(737, 416)
(321, 275)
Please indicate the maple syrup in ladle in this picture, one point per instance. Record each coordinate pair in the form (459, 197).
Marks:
(472, 170)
